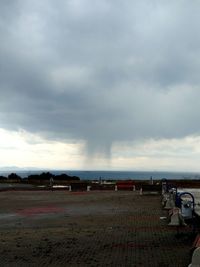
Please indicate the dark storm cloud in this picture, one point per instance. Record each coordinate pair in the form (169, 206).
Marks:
(100, 71)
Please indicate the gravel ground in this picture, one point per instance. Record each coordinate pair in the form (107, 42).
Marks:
(61, 228)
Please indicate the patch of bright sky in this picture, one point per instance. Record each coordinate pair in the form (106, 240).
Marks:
(23, 149)
(164, 154)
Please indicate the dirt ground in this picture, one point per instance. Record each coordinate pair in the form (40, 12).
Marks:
(99, 228)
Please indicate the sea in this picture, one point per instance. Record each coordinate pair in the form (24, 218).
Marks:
(111, 175)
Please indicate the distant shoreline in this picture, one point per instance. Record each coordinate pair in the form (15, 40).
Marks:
(112, 175)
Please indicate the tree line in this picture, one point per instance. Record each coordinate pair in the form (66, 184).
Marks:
(42, 176)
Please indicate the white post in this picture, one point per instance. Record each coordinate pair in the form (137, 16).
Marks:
(115, 187)
(88, 188)
(133, 187)
(195, 257)
(141, 191)
(70, 188)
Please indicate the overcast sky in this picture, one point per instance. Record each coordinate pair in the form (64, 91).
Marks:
(110, 84)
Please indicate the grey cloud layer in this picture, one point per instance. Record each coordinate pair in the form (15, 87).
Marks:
(100, 71)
